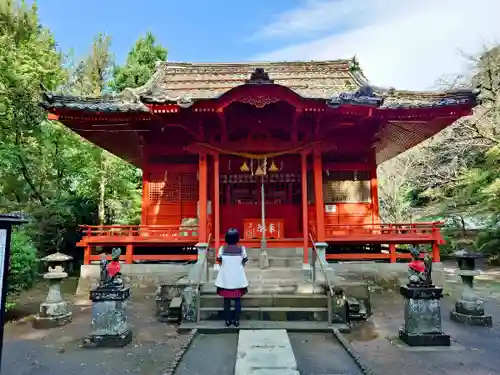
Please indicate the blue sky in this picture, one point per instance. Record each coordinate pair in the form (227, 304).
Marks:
(192, 30)
(410, 44)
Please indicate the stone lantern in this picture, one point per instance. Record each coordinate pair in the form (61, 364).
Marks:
(54, 311)
(469, 309)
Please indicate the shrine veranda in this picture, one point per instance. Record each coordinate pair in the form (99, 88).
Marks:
(207, 135)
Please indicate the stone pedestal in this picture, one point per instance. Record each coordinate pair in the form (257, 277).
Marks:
(54, 311)
(263, 259)
(422, 325)
(196, 269)
(469, 309)
(340, 308)
(190, 304)
(110, 326)
(321, 258)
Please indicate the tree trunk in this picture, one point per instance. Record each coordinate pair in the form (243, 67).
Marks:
(102, 188)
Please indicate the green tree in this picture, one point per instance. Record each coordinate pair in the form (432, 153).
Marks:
(23, 265)
(456, 174)
(41, 162)
(140, 64)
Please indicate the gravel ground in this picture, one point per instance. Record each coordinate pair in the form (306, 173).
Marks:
(210, 354)
(57, 351)
(474, 350)
(36, 352)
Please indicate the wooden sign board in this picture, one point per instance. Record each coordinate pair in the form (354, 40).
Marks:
(253, 229)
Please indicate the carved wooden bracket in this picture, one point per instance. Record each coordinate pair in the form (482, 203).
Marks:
(260, 101)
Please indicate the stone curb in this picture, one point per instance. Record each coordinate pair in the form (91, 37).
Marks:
(170, 370)
(349, 349)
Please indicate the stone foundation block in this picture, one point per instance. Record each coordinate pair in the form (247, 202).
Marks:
(472, 320)
(424, 339)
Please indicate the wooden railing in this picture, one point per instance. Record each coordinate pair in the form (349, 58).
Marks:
(172, 232)
(390, 234)
(387, 230)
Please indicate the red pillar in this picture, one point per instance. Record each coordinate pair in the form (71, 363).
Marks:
(305, 221)
(392, 253)
(374, 193)
(202, 198)
(436, 255)
(318, 192)
(86, 255)
(145, 187)
(216, 208)
(129, 254)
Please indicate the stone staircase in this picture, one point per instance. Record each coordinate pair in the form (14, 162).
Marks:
(266, 304)
(284, 292)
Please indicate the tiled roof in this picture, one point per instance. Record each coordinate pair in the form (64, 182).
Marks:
(309, 79)
(101, 104)
(391, 99)
(338, 82)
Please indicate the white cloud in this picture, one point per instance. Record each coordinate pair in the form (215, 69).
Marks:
(407, 44)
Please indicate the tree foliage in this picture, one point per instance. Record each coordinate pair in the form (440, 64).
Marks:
(47, 172)
(140, 65)
(456, 174)
(23, 265)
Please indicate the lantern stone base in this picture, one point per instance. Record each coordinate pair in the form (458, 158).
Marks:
(422, 325)
(471, 313)
(53, 314)
(110, 327)
(47, 322)
(108, 340)
(424, 339)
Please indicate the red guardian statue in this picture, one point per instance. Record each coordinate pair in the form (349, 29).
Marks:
(111, 271)
(419, 271)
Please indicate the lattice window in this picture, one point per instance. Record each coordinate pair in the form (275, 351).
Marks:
(189, 187)
(178, 188)
(346, 186)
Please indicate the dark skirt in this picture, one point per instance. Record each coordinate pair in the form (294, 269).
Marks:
(232, 293)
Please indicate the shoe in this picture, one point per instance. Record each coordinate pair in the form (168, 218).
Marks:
(228, 323)
(236, 323)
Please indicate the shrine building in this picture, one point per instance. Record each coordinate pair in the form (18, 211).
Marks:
(207, 135)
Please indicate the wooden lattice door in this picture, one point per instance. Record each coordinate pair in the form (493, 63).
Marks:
(172, 197)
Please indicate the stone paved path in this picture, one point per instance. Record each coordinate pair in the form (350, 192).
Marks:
(267, 352)
(319, 353)
(210, 354)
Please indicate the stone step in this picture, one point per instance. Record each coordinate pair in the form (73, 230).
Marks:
(273, 287)
(275, 273)
(272, 300)
(216, 326)
(287, 252)
(294, 262)
(269, 313)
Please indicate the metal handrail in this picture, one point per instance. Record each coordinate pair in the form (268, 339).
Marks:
(204, 265)
(203, 269)
(315, 256)
(313, 270)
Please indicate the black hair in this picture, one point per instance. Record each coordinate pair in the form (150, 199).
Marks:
(232, 236)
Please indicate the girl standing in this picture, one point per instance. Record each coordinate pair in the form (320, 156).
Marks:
(231, 282)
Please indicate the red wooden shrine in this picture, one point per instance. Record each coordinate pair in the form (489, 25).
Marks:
(206, 135)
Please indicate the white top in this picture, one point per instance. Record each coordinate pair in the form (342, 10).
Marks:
(231, 273)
